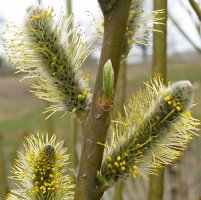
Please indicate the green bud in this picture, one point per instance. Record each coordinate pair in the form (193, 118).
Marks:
(108, 78)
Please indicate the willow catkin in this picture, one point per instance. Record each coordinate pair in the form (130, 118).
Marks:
(155, 130)
(42, 49)
(40, 172)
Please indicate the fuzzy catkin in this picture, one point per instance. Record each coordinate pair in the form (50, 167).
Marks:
(153, 133)
(41, 171)
(135, 13)
(40, 49)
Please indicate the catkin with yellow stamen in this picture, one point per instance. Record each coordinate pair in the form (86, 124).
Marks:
(43, 175)
(40, 172)
(133, 24)
(43, 50)
(153, 133)
(140, 25)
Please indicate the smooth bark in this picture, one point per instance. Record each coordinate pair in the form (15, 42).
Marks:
(120, 100)
(156, 183)
(94, 129)
(159, 59)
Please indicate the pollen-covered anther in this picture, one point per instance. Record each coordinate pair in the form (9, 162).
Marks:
(178, 108)
(135, 173)
(54, 60)
(80, 96)
(168, 98)
(118, 158)
(187, 114)
(116, 164)
(109, 158)
(87, 78)
(132, 12)
(35, 17)
(123, 168)
(169, 102)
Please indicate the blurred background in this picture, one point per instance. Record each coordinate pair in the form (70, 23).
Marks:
(21, 113)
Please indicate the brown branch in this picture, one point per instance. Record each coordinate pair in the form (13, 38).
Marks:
(94, 129)
(196, 8)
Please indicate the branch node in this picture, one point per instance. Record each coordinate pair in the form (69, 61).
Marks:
(106, 5)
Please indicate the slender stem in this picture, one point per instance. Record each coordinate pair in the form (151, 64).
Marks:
(159, 59)
(121, 87)
(196, 8)
(121, 90)
(191, 15)
(159, 64)
(156, 186)
(69, 6)
(198, 49)
(94, 129)
(119, 187)
(177, 185)
(73, 120)
(73, 135)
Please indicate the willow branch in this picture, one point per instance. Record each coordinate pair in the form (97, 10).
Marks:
(198, 49)
(94, 129)
(196, 8)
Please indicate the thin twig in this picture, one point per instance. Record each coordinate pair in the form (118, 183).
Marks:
(196, 8)
(198, 49)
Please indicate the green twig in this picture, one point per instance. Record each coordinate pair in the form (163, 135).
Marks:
(74, 132)
(121, 90)
(159, 68)
(159, 61)
(73, 120)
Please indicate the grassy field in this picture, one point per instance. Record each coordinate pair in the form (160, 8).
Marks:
(21, 113)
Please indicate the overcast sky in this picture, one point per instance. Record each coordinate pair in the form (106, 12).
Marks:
(15, 10)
